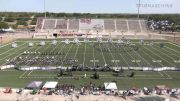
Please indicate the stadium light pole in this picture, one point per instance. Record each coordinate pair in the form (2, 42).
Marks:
(1, 38)
(139, 7)
(45, 8)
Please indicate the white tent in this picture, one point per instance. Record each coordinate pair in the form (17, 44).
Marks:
(9, 30)
(110, 86)
(34, 85)
(50, 85)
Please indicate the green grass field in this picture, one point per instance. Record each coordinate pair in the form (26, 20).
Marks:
(91, 55)
(15, 78)
(88, 55)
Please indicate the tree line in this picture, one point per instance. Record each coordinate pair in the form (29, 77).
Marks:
(21, 18)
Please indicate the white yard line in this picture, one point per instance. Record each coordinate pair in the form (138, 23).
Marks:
(142, 58)
(21, 76)
(159, 63)
(173, 44)
(172, 50)
(38, 54)
(161, 74)
(119, 53)
(100, 75)
(42, 75)
(150, 55)
(34, 50)
(52, 50)
(29, 54)
(9, 70)
(89, 41)
(161, 58)
(153, 59)
(30, 72)
(66, 54)
(163, 53)
(52, 76)
(166, 55)
(76, 52)
(102, 55)
(147, 75)
(168, 75)
(15, 51)
(6, 44)
(43, 51)
(61, 49)
(94, 58)
(47, 47)
(169, 53)
(84, 59)
(145, 78)
(11, 49)
(131, 57)
(38, 77)
(112, 56)
(15, 57)
(8, 50)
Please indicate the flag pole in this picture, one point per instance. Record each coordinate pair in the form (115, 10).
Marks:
(139, 7)
(44, 8)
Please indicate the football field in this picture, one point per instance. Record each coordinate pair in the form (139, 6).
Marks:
(91, 55)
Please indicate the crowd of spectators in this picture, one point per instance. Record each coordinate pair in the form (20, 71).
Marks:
(91, 89)
(163, 25)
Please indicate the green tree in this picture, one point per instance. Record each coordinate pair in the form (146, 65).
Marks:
(14, 26)
(10, 19)
(0, 19)
(24, 19)
(3, 25)
(34, 19)
(33, 23)
(19, 22)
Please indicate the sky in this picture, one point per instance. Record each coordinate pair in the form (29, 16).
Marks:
(92, 6)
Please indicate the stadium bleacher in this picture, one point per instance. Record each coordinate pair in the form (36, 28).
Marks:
(134, 26)
(109, 25)
(39, 24)
(97, 25)
(83, 26)
(121, 25)
(61, 24)
(73, 24)
(49, 24)
(143, 25)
